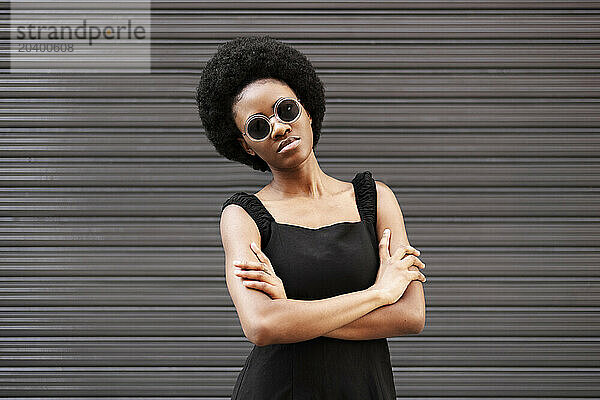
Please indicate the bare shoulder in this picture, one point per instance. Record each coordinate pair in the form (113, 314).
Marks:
(386, 198)
(236, 222)
(382, 187)
(389, 215)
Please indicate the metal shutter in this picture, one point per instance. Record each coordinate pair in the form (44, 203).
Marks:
(481, 115)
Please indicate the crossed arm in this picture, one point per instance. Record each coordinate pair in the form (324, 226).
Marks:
(360, 315)
(407, 315)
(401, 318)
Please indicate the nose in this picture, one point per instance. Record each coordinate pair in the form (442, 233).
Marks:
(279, 128)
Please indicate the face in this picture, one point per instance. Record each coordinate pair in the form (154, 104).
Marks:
(259, 98)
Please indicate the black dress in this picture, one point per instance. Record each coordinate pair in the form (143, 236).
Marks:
(314, 264)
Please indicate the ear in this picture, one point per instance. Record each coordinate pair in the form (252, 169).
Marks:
(245, 146)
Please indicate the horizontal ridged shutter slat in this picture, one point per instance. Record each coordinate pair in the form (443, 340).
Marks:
(482, 116)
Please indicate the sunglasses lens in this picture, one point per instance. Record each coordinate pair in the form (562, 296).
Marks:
(258, 128)
(288, 110)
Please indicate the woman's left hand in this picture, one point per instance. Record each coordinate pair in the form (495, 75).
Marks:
(260, 275)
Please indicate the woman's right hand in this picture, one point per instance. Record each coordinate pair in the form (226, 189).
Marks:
(395, 273)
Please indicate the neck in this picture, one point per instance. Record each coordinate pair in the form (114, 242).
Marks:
(304, 180)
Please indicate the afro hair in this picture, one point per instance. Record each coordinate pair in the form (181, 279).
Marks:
(240, 62)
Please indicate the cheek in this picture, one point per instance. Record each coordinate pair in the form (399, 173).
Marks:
(308, 131)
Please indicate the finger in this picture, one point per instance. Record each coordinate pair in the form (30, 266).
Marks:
(262, 286)
(407, 249)
(416, 261)
(249, 264)
(384, 245)
(412, 261)
(255, 275)
(417, 276)
(261, 256)
(256, 265)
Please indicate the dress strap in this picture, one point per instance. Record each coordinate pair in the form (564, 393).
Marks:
(366, 196)
(256, 210)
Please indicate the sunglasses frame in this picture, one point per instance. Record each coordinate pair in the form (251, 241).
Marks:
(268, 119)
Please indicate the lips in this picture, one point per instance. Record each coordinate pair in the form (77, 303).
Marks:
(286, 142)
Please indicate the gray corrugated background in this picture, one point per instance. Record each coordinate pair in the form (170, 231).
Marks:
(482, 116)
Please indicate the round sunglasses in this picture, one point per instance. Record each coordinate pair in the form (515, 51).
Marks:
(258, 126)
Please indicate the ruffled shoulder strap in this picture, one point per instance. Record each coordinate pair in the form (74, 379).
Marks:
(256, 210)
(366, 196)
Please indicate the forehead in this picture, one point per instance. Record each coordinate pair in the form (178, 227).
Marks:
(260, 96)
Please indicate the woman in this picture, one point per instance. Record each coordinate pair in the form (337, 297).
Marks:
(317, 280)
